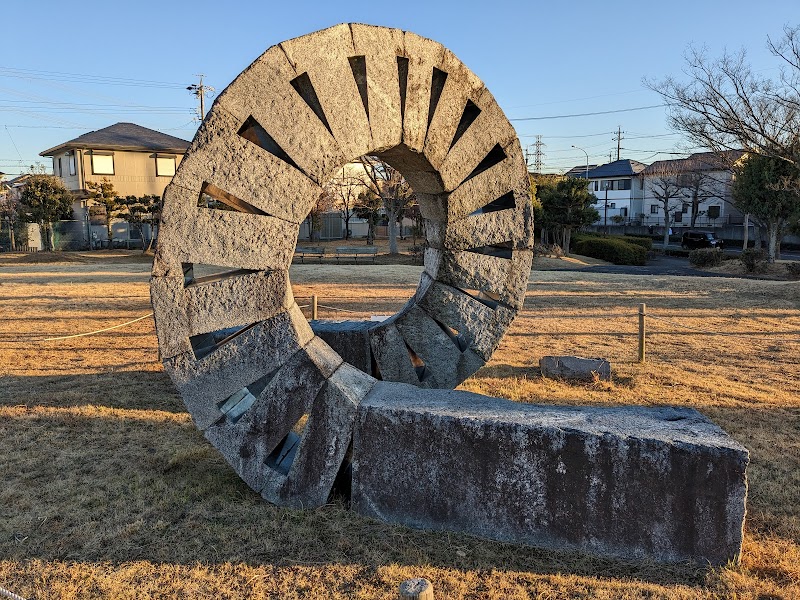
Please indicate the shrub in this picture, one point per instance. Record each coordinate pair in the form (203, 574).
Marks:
(548, 250)
(793, 268)
(613, 250)
(644, 242)
(705, 257)
(753, 259)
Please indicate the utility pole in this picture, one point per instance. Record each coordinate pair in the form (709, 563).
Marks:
(200, 91)
(618, 139)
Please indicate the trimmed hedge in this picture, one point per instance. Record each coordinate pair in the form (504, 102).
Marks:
(613, 250)
(644, 242)
(705, 257)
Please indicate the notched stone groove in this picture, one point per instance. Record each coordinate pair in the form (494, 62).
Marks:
(205, 344)
(438, 79)
(422, 371)
(495, 156)
(358, 65)
(471, 112)
(302, 85)
(504, 250)
(504, 202)
(211, 194)
(189, 280)
(254, 132)
(238, 403)
(402, 76)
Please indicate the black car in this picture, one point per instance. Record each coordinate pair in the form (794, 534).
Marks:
(701, 239)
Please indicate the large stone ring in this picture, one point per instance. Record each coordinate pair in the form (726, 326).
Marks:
(273, 397)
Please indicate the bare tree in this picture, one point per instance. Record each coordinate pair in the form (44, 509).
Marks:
(314, 219)
(395, 192)
(726, 106)
(670, 194)
(344, 191)
(699, 186)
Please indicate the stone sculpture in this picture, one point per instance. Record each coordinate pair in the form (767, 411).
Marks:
(274, 398)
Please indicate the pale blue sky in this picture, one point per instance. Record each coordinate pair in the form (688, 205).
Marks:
(69, 68)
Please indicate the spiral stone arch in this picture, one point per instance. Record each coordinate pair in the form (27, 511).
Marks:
(273, 397)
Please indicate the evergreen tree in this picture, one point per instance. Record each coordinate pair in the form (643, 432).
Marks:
(762, 187)
(566, 205)
(44, 200)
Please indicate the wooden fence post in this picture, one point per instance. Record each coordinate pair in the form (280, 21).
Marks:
(642, 314)
(314, 307)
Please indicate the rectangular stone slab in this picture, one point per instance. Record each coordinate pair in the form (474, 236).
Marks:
(662, 484)
(350, 339)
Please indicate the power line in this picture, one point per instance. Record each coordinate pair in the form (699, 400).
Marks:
(590, 114)
(48, 126)
(69, 104)
(14, 143)
(577, 99)
(569, 137)
(84, 78)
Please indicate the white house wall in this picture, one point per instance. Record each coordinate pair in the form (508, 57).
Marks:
(728, 214)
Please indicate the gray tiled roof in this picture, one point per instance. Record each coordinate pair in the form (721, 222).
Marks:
(701, 161)
(619, 168)
(579, 172)
(123, 136)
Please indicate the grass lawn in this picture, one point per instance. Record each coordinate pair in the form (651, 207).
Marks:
(110, 492)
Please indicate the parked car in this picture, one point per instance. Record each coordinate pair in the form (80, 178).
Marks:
(701, 239)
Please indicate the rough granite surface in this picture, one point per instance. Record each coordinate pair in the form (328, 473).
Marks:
(664, 484)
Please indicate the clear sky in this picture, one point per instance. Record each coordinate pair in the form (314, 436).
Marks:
(67, 68)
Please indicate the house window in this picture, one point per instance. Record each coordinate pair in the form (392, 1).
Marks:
(72, 164)
(654, 209)
(596, 186)
(612, 205)
(60, 169)
(165, 166)
(624, 184)
(678, 217)
(102, 164)
(713, 212)
(685, 208)
(623, 212)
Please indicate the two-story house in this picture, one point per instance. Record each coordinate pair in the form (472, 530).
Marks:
(696, 190)
(138, 161)
(618, 190)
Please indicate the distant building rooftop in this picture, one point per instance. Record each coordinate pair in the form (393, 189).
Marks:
(701, 161)
(619, 168)
(123, 136)
(579, 172)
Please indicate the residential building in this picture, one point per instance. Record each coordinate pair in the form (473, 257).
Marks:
(138, 161)
(618, 189)
(697, 191)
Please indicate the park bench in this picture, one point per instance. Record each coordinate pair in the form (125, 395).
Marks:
(311, 251)
(356, 253)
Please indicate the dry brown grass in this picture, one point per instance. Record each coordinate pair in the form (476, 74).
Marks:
(109, 491)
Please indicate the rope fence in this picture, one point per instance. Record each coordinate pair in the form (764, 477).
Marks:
(643, 318)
